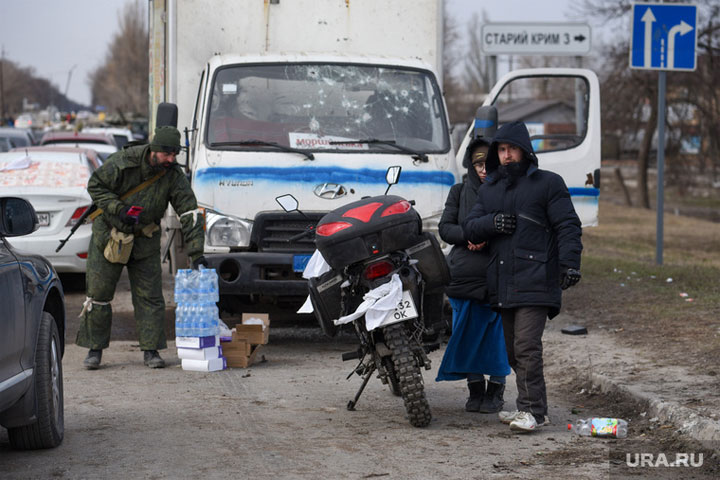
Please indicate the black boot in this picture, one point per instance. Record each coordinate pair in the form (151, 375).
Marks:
(152, 359)
(477, 392)
(92, 361)
(493, 401)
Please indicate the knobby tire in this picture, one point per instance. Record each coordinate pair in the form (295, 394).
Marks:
(407, 369)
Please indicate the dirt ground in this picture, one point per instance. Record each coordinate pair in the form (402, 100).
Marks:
(285, 417)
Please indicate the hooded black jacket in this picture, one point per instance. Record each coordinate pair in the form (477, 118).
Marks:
(467, 268)
(524, 267)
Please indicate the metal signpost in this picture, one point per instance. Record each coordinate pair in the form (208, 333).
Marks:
(663, 38)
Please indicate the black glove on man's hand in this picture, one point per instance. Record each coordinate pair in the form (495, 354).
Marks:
(199, 261)
(504, 223)
(128, 219)
(569, 277)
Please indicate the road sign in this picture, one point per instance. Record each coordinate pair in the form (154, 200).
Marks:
(664, 36)
(535, 38)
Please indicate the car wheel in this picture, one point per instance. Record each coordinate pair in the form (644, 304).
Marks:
(48, 430)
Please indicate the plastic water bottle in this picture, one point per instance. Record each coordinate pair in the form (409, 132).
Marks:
(181, 287)
(214, 320)
(600, 427)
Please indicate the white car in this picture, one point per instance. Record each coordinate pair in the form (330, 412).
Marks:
(121, 135)
(54, 180)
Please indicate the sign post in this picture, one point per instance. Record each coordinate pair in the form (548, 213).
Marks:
(663, 38)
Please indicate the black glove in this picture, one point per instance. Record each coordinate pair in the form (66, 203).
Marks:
(504, 223)
(569, 277)
(128, 219)
(199, 261)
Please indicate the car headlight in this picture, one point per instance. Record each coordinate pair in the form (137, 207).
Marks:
(226, 231)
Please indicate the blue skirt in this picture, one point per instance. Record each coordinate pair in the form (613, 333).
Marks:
(477, 344)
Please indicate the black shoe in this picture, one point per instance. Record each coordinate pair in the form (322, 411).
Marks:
(92, 361)
(153, 359)
(493, 401)
(477, 393)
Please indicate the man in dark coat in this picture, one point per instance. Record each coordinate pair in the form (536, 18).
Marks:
(526, 216)
(153, 167)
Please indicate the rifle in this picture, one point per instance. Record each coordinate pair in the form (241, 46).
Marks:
(88, 211)
(93, 211)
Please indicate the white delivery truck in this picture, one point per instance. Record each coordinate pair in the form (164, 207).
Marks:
(316, 98)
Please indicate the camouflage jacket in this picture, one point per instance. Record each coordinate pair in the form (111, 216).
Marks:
(123, 171)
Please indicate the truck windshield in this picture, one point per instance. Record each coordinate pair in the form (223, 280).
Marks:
(324, 106)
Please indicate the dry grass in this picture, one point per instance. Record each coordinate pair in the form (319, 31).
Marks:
(623, 289)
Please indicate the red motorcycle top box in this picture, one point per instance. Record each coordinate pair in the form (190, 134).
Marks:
(366, 228)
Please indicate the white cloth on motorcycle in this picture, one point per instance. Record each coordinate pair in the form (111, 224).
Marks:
(378, 305)
(316, 266)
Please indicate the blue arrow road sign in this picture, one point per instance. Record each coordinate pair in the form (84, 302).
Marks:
(664, 36)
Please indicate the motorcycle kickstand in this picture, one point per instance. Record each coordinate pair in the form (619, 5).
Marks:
(351, 404)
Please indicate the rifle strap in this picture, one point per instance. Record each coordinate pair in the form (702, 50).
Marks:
(140, 187)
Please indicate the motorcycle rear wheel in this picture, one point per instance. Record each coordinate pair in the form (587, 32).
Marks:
(393, 382)
(409, 376)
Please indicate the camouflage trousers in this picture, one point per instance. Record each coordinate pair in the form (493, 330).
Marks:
(147, 297)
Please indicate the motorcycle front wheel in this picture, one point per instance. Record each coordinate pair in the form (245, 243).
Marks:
(409, 376)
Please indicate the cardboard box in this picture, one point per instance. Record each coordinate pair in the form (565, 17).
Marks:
(254, 334)
(237, 360)
(199, 353)
(196, 342)
(211, 365)
(239, 346)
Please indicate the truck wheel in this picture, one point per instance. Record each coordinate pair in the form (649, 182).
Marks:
(412, 388)
(48, 430)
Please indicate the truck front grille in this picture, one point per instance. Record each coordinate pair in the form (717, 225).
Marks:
(272, 230)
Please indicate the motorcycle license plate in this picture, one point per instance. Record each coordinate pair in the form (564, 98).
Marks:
(405, 310)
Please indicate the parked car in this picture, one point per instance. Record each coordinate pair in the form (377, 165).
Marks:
(121, 135)
(54, 180)
(102, 143)
(6, 145)
(19, 137)
(32, 337)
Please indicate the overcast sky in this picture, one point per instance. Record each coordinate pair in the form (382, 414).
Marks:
(57, 37)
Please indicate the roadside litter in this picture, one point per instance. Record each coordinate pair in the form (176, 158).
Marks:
(600, 427)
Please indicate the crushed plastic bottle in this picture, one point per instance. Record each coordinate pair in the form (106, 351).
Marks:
(600, 427)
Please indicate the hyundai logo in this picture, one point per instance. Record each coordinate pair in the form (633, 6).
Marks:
(330, 191)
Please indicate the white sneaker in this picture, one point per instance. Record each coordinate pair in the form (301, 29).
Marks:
(524, 422)
(508, 417)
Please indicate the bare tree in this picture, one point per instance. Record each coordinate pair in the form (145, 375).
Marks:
(121, 83)
(451, 55)
(630, 96)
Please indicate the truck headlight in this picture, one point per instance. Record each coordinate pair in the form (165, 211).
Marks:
(431, 224)
(226, 231)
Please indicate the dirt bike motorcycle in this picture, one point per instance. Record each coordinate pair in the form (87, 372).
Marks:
(378, 256)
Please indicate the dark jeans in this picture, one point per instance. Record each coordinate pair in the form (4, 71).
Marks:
(523, 328)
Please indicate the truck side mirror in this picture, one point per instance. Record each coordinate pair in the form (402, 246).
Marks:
(486, 121)
(287, 202)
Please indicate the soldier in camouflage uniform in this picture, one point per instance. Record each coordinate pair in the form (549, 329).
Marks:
(123, 171)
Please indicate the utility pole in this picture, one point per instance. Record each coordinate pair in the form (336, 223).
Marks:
(2, 86)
